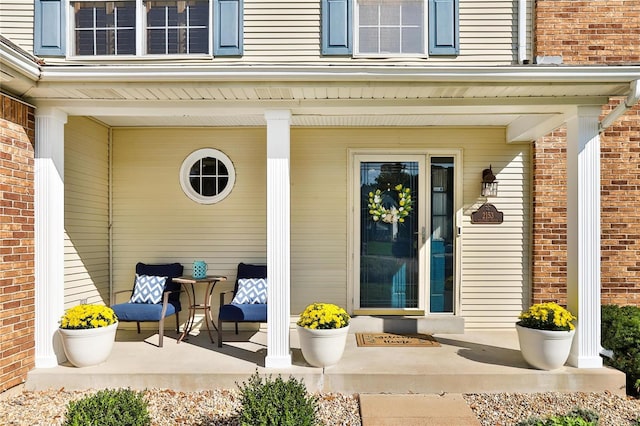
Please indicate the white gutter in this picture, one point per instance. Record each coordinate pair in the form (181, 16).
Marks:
(630, 101)
(522, 31)
(19, 61)
(372, 74)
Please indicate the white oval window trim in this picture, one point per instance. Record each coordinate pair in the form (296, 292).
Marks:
(185, 176)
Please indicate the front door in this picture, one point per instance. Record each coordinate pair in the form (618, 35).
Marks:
(405, 259)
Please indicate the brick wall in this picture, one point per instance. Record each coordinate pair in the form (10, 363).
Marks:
(620, 221)
(590, 32)
(549, 254)
(17, 300)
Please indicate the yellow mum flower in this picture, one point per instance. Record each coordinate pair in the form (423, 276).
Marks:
(323, 316)
(547, 316)
(88, 316)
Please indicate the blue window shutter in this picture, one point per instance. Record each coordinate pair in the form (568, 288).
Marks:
(337, 24)
(443, 27)
(49, 28)
(228, 29)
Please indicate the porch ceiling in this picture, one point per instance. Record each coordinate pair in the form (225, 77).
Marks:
(525, 109)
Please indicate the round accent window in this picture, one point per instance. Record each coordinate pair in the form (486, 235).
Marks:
(207, 176)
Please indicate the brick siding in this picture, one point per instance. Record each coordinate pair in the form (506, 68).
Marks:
(604, 32)
(589, 33)
(17, 299)
(549, 254)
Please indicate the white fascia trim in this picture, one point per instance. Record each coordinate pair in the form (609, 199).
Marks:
(18, 62)
(472, 74)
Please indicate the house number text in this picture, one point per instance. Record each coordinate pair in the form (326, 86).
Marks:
(487, 213)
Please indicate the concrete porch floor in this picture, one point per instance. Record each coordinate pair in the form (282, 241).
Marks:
(473, 362)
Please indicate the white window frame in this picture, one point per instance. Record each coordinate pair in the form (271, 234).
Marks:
(185, 181)
(141, 28)
(356, 37)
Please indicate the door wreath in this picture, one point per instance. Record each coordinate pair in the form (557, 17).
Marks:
(396, 212)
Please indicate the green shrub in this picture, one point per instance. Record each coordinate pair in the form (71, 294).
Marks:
(621, 334)
(576, 417)
(276, 403)
(109, 407)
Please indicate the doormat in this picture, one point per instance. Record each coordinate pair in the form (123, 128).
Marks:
(396, 340)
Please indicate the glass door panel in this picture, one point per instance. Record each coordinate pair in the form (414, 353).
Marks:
(442, 235)
(389, 265)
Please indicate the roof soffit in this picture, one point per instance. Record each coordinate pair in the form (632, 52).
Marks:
(524, 100)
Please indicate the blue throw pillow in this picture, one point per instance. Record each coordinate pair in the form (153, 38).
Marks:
(148, 289)
(251, 290)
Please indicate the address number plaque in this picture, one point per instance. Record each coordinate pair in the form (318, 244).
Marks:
(487, 214)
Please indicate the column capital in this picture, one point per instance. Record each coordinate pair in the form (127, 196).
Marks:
(585, 111)
(52, 113)
(277, 114)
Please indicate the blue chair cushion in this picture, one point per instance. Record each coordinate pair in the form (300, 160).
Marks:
(142, 311)
(253, 312)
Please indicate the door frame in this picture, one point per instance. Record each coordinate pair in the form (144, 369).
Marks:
(355, 156)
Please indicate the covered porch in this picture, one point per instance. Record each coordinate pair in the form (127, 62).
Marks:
(473, 362)
(519, 104)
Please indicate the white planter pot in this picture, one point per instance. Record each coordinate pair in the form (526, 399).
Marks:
(322, 348)
(91, 346)
(544, 349)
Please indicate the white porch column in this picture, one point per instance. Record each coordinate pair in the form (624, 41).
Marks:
(49, 233)
(583, 234)
(278, 239)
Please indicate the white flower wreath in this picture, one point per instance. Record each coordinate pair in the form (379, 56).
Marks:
(394, 213)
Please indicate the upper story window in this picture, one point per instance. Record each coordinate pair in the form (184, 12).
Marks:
(170, 27)
(384, 28)
(395, 27)
(105, 28)
(177, 27)
(154, 27)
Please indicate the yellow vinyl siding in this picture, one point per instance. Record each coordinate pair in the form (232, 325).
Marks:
(86, 198)
(16, 22)
(493, 256)
(281, 30)
(153, 221)
(289, 31)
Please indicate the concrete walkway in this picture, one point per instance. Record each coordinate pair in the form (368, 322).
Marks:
(416, 410)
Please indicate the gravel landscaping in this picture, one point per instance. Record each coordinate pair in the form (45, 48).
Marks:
(220, 407)
(504, 409)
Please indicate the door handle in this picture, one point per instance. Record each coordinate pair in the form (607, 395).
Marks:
(423, 233)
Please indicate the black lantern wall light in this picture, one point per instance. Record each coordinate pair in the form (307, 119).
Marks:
(489, 183)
